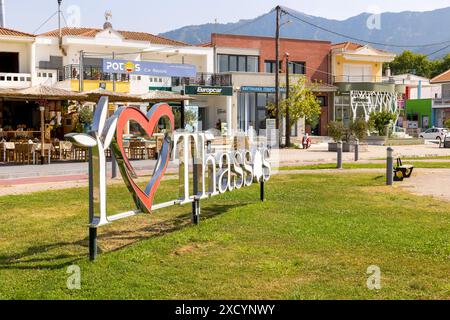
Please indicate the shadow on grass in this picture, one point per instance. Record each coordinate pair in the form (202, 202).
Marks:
(29, 259)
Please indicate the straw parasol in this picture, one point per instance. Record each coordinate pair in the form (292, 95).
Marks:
(95, 95)
(153, 96)
(164, 96)
(41, 92)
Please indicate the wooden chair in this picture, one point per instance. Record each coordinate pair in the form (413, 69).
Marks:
(7, 150)
(23, 152)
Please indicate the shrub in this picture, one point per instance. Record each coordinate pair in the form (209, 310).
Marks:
(380, 120)
(359, 129)
(336, 130)
(447, 123)
(85, 115)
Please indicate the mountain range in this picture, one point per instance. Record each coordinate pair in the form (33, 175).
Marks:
(389, 31)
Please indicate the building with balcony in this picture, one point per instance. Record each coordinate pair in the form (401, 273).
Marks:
(441, 104)
(358, 74)
(94, 45)
(246, 66)
(18, 70)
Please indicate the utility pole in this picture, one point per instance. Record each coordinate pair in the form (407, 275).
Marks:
(81, 72)
(277, 74)
(288, 126)
(59, 24)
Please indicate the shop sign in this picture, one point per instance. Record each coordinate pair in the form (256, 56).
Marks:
(209, 91)
(261, 89)
(146, 68)
(214, 173)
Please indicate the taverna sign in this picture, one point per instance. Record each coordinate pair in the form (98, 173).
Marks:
(212, 173)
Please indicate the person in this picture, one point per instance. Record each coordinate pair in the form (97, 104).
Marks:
(306, 141)
(219, 125)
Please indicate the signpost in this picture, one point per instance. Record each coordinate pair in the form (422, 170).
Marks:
(213, 174)
(146, 68)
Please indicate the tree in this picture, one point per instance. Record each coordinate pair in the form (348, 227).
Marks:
(410, 62)
(441, 65)
(302, 103)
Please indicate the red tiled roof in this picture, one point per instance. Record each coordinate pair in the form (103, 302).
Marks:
(128, 35)
(347, 46)
(443, 77)
(14, 33)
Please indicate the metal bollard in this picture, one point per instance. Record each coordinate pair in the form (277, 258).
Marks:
(92, 244)
(262, 191)
(356, 150)
(339, 155)
(390, 167)
(196, 211)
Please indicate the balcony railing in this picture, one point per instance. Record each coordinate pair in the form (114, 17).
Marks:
(204, 79)
(72, 72)
(357, 79)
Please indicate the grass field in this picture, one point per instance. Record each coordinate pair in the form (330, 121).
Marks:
(313, 238)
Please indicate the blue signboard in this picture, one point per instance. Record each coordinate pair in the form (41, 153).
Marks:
(261, 89)
(146, 68)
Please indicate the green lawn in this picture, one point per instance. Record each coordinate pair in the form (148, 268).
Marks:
(313, 238)
(359, 165)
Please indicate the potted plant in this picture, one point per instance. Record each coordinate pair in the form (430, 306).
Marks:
(380, 123)
(338, 132)
(335, 131)
(85, 117)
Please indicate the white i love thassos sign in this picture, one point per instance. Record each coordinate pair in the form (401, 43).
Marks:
(213, 173)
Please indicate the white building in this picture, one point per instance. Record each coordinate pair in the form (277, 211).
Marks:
(416, 87)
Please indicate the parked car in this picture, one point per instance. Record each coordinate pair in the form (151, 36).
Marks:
(434, 134)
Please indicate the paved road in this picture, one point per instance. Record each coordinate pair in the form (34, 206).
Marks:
(61, 172)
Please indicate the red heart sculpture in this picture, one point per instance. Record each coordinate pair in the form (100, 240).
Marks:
(144, 199)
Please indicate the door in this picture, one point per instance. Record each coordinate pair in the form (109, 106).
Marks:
(9, 62)
(357, 73)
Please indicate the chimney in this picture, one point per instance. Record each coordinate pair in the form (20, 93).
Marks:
(2, 14)
(107, 24)
(388, 72)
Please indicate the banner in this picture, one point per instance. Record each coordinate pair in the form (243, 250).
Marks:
(146, 68)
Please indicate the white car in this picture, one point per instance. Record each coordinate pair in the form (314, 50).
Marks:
(434, 134)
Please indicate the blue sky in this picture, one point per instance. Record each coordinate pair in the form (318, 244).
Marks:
(157, 16)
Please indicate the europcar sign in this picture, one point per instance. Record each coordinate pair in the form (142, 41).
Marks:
(147, 68)
(209, 91)
(214, 173)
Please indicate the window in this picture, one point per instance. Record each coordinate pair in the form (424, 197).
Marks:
(252, 64)
(297, 67)
(270, 66)
(237, 63)
(322, 101)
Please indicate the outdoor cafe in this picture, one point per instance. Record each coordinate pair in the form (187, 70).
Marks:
(33, 123)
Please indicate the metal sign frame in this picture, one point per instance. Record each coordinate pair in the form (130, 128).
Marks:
(213, 173)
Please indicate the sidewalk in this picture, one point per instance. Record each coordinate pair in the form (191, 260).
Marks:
(60, 172)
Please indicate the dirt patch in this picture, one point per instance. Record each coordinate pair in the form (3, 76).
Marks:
(429, 182)
(188, 249)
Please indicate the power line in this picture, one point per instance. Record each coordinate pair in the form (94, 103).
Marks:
(45, 22)
(437, 51)
(363, 40)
